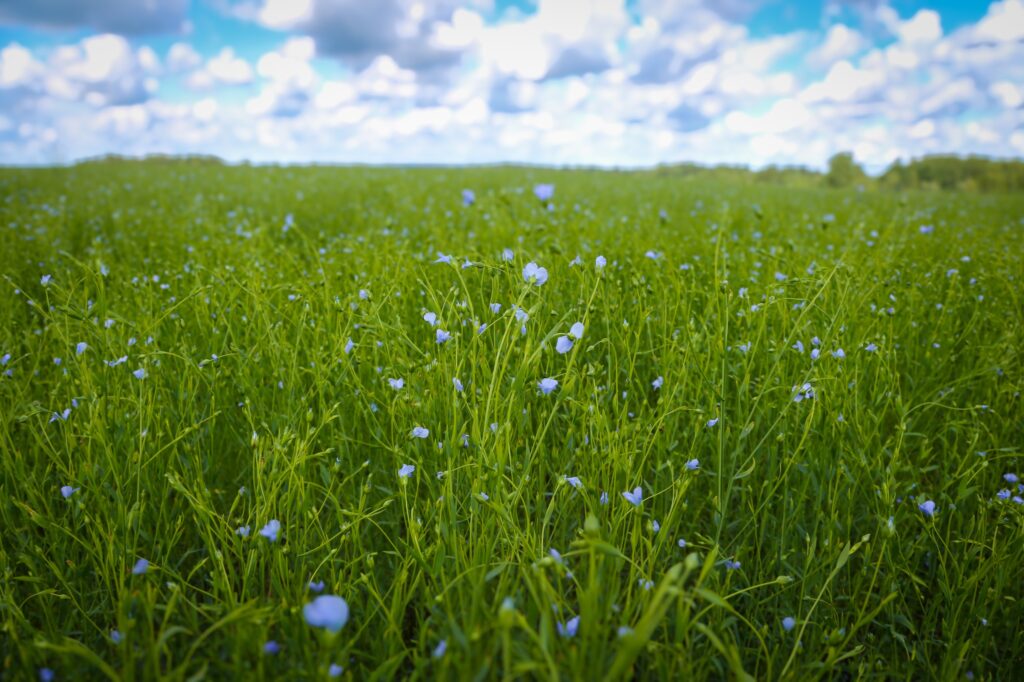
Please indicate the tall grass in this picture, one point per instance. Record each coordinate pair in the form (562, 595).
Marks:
(806, 500)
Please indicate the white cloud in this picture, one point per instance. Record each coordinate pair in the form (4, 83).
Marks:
(1003, 23)
(923, 28)
(225, 68)
(182, 57)
(841, 42)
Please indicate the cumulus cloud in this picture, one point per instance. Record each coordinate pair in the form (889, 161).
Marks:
(225, 68)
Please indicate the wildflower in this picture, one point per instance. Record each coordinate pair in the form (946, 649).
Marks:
(46, 675)
(712, 422)
(439, 650)
(363, 294)
(271, 530)
(396, 383)
(693, 464)
(140, 567)
(270, 647)
(927, 508)
(45, 280)
(563, 345)
(871, 348)
(788, 623)
(658, 383)
(81, 347)
(569, 628)
(507, 255)
(624, 631)
(576, 330)
(468, 197)
(495, 308)
(67, 491)
(406, 471)
(604, 498)
(242, 531)
(645, 584)
(534, 274)
(574, 481)
(457, 384)
(430, 318)
(335, 670)
(316, 587)
(547, 385)
(442, 258)
(60, 416)
(544, 191)
(780, 277)
(442, 336)
(600, 262)
(115, 636)
(420, 432)
(732, 565)
(798, 346)
(327, 611)
(1003, 494)
(5, 359)
(1010, 478)
(635, 497)
(653, 255)
(838, 354)
(139, 374)
(681, 543)
(349, 345)
(815, 353)
(655, 526)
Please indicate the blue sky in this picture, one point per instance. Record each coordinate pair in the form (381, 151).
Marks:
(592, 82)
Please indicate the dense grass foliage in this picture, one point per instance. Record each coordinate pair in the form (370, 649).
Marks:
(817, 393)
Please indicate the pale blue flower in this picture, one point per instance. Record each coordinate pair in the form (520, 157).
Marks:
(569, 628)
(316, 587)
(636, 497)
(838, 354)
(798, 346)
(396, 383)
(420, 432)
(927, 508)
(534, 274)
(442, 258)
(682, 543)
(46, 675)
(563, 345)
(624, 631)
(327, 611)
(576, 330)
(457, 384)
(544, 191)
(468, 197)
(732, 565)
(604, 498)
(788, 623)
(430, 318)
(67, 491)
(439, 650)
(270, 647)
(115, 636)
(1010, 478)
(658, 383)
(693, 464)
(507, 255)
(81, 347)
(45, 279)
(495, 308)
(574, 481)
(815, 353)
(600, 262)
(335, 670)
(140, 567)
(406, 471)
(712, 422)
(547, 385)
(349, 345)
(442, 336)
(871, 348)
(242, 531)
(139, 373)
(363, 294)
(645, 584)
(271, 530)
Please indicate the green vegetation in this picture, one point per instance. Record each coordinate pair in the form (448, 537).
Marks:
(817, 392)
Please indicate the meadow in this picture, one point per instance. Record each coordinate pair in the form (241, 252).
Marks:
(358, 423)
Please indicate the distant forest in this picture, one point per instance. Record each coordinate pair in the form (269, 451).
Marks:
(940, 172)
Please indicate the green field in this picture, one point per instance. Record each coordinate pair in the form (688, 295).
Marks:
(817, 392)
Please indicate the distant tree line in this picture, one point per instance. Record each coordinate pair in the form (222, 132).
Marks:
(940, 172)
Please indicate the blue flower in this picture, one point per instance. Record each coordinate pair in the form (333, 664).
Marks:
(430, 318)
(788, 623)
(544, 191)
(563, 345)
(576, 330)
(635, 497)
(507, 255)
(406, 471)
(600, 262)
(335, 670)
(327, 611)
(242, 531)
(839, 354)
(439, 650)
(270, 647)
(495, 308)
(115, 636)
(1010, 478)
(569, 628)
(574, 481)
(442, 258)
(547, 385)
(396, 383)
(457, 384)
(681, 543)
(420, 432)
(271, 530)
(693, 464)
(81, 347)
(712, 422)
(658, 383)
(927, 508)
(46, 675)
(732, 565)
(139, 373)
(316, 587)
(442, 336)
(604, 497)
(67, 491)
(871, 348)
(45, 279)
(140, 567)
(468, 197)
(534, 274)
(349, 345)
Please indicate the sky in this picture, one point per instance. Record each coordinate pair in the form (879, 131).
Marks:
(616, 83)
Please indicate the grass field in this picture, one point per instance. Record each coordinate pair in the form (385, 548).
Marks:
(784, 445)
